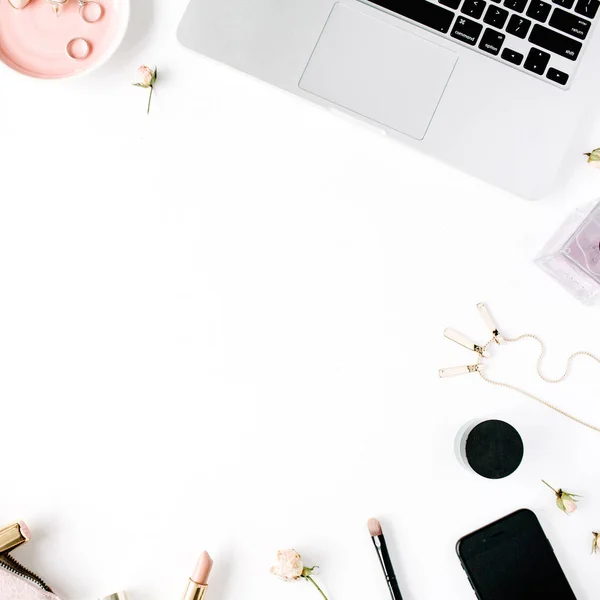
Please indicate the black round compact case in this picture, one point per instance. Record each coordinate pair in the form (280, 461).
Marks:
(493, 449)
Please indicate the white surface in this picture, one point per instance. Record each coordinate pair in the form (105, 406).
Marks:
(347, 69)
(221, 328)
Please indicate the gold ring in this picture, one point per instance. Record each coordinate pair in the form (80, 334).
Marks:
(91, 4)
(82, 53)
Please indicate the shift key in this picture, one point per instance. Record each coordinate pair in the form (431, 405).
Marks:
(555, 42)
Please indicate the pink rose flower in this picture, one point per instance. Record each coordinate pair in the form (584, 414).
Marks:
(569, 503)
(566, 501)
(146, 78)
(289, 566)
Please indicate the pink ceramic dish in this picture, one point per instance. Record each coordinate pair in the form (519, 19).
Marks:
(33, 40)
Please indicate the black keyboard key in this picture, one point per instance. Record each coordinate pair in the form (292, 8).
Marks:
(557, 76)
(422, 12)
(451, 3)
(473, 8)
(555, 42)
(496, 17)
(518, 26)
(565, 3)
(512, 57)
(492, 41)
(570, 23)
(518, 5)
(537, 61)
(587, 8)
(539, 10)
(466, 30)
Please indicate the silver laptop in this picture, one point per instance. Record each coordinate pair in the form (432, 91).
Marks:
(498, 88)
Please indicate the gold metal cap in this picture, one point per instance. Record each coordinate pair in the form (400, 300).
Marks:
(117, 596)
(13, 535)
(195, 591)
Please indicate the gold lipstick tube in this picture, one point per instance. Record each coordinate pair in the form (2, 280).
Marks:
(117, 596)
(195, 591)
(13, 536)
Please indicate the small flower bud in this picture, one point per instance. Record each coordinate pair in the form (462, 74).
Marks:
(146, 78)
(594, 158)
(566, 501)
(596, 543)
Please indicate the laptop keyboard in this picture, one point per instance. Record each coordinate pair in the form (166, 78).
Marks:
(543, 38)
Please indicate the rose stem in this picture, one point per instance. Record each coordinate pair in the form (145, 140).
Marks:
(150, 98)
(550, 487)
(315, 584)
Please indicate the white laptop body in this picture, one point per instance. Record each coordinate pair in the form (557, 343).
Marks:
(497, 88)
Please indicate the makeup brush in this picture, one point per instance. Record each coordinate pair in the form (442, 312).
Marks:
(384, 558)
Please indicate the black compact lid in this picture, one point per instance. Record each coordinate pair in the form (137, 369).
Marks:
(494, 449)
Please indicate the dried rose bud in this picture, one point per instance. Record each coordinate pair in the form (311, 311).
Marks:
(566, 501)
(596, 543)
(146, 78)
(594, 158)
(289, 567)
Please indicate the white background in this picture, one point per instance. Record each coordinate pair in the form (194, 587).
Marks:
(220, 328)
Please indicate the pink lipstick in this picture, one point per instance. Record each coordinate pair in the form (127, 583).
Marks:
(198, 583)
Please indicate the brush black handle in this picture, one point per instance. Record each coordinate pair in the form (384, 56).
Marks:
(388, 568)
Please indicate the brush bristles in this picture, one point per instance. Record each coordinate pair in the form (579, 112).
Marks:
(375, 528)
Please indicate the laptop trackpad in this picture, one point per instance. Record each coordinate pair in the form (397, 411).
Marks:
(379, 71)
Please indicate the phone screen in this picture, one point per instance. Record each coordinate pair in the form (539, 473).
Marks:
(512, 558)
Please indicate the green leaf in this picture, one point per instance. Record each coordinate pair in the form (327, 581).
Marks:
(594, 155)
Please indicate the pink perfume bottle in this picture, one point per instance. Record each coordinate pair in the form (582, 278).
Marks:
(572, 256)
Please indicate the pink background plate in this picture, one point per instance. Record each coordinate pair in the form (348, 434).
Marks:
(33, 40)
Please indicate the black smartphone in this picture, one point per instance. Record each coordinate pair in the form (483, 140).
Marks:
(513, 559)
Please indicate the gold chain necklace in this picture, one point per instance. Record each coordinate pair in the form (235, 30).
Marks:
(483, 353)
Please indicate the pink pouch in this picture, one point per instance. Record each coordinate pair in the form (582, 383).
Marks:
(18, 583)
